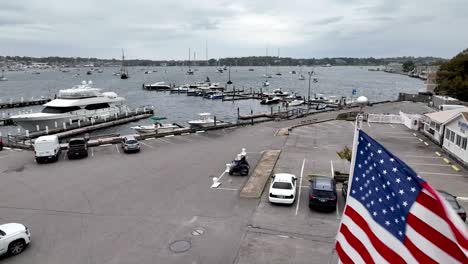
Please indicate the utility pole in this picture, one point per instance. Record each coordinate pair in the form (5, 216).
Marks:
(308, 93)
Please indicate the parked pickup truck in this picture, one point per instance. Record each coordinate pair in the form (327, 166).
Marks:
(13, 238)
(77, 148)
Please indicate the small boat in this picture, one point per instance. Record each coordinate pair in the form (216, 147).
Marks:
(190, 72)
(293, 72)
(36, 72)
(204, 121)
(156, 128)
(225, 68)
(296, 102)
(267, 76)
(301, 77)
(181, 89)
(219, 70)
(251, 69)
(278, 74)
(266, 83)
(192, 92)
(278, 92)
(157, 86)
(321, 107)
(3, 78)
(268, 101)
(215, 96)
(89, 72)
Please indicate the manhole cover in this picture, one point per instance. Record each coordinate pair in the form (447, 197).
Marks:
(180, 246)
(198, 231)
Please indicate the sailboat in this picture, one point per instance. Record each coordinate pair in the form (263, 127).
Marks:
(190, 70)
(301, 76)
(123, 69)
(267, 75)
(278, 73)
(3, 78)
(229, 81)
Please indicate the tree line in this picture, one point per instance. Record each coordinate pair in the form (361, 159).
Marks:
(233, 61)
(452, 77)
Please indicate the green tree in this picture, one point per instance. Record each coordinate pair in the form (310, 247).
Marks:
(408, 66)
(452, 77)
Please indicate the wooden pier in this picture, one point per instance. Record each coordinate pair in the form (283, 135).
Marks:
(86, 126)
(23, 103)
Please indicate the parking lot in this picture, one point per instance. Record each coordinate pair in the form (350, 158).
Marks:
(297, 234)
(157, 206)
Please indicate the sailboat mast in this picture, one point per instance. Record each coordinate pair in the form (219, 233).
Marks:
(189, 54)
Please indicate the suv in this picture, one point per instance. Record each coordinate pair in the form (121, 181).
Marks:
(282, 188)
(13, 238)
(77, 147)
(322, 193)
(130, 144)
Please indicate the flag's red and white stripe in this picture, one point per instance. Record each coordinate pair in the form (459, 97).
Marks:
(434, 234)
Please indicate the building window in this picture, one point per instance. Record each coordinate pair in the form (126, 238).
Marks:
(447, 133)
(458, 140)
(437, 128)
(452, 136)
(463, 146)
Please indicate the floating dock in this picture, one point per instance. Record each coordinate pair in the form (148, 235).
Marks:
(23, 103)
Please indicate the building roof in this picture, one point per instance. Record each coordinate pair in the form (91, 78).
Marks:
(442, 117)
(465, 115)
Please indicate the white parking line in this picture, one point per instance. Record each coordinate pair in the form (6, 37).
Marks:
(148, 145)
(117, 148)
(368, 124)
(183, 134)
(200, 131)
(92, 152)
(462, 198)
(444, 174)
(150, 138)
(105, 145)
(169, 136)
(422, 157)
(430, 164)
(228, 189)
(300, 184)
(165, 141)
(391, 125)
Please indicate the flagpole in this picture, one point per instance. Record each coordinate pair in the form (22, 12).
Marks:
(357, 127)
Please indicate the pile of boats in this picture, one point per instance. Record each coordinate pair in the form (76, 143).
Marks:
(206, 89)
(205, 120)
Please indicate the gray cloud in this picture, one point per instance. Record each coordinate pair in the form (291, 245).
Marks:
(166, 29)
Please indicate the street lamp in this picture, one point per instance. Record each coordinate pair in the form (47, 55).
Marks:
(308, 93)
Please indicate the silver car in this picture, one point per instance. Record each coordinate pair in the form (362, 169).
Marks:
(130, 144)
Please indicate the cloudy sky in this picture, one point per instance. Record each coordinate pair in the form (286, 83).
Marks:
(166, 29)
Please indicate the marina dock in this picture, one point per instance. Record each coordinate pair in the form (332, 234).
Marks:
(23, 103)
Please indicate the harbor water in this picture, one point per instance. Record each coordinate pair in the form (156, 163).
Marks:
(179, 108)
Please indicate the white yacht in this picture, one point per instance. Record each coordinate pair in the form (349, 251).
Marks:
(204, 121)
(82, 102)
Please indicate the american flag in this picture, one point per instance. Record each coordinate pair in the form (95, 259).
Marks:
(393, 216)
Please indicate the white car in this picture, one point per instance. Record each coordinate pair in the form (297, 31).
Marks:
(13, 238)
(283, 188)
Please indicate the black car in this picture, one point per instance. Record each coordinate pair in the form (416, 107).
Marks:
(239, 166)
(454, 203)
(77, 148)
(322, 193)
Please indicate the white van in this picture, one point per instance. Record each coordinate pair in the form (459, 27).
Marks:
(47, 148)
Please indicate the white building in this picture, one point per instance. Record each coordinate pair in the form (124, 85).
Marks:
(456, 136)
(434, 123)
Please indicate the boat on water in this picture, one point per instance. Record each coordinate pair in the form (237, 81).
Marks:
(251, 69)
(89, 72)
(301, 77)
(3, 78)
(123, 70)
(220, 70)
(205, 121)
(216, 95)
(181, 89)
(296, 102)
(280, 93)
(266, 83)
(293, 72)
(190, 71)
(157, 86)
(272, 100)
(156, 128)
(81, 102)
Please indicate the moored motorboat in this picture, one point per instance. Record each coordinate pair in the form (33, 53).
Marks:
(268, 101)
(157, 86)
(296, 102)
(205, 121)
(156, 128)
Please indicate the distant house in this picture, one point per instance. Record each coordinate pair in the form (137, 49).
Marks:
(434, 123)
(456, 137)
(394, 67)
